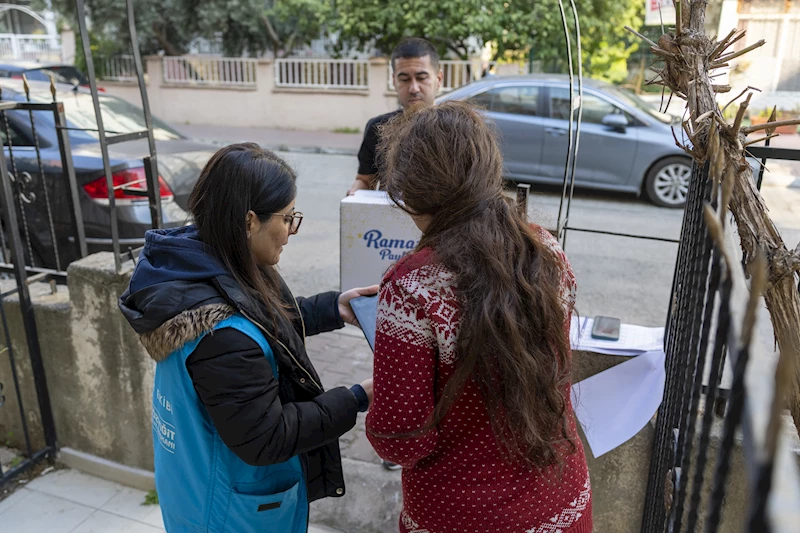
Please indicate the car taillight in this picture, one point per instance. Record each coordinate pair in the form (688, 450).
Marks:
(125, 180)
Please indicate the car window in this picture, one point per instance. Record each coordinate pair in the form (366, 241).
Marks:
(17, 139)
(119, 117)
(69, 75)
(594, 108)
(38, 75)
(634, 101)
(519, 100)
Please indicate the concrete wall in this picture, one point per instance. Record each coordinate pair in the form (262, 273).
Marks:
(100, 378)
(52, 312)
(264, 105)
(100, 381)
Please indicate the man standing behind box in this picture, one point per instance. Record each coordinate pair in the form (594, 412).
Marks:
(417, 78)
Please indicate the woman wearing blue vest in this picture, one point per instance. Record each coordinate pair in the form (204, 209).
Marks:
(244, 435)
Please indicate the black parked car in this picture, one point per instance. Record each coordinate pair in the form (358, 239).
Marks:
(36, 71)
(180, 161)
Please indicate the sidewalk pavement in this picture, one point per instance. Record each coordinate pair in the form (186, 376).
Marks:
(343, 358)
(326, 142)
(68, 501)
(780, 174)
(783, 174)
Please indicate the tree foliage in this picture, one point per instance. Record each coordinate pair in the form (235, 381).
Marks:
(159, 24)
(252, 26)
(606, 45)
(514, 28)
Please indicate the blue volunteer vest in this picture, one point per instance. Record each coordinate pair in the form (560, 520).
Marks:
(202, 485)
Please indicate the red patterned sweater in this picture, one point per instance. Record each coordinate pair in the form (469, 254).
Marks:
(455, 479)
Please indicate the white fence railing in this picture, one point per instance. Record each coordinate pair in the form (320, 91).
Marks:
(30, 47)
(219, 71)
(455, 73)
(322, 73)
(119, 68)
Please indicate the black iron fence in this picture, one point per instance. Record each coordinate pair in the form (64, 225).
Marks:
(43, 225)
(24, 197)
(711, 318)
(43, 188)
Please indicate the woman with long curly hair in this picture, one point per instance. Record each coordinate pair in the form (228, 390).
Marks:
(472, 354)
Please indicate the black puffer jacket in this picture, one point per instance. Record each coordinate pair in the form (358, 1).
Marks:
(179, 291)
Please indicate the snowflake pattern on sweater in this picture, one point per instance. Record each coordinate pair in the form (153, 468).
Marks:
(455, 477)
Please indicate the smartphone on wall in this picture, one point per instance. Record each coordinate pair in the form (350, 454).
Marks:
(606, 328)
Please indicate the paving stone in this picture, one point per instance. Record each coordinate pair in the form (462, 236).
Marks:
(342, 359)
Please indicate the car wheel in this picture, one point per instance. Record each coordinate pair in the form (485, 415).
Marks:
(667, 183)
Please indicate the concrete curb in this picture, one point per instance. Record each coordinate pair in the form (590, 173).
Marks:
(290, 148)
(108, 470)
(316, 528)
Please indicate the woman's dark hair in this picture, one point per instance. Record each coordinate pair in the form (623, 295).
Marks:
(237, 179)
(443, 161)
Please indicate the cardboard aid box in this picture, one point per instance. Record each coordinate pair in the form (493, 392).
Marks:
(373, 234)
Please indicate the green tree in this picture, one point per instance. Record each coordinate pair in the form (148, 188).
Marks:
(514, 28)
(160, 24)
(448, 24)
(254, 26)
(289, 23)
(606, 45)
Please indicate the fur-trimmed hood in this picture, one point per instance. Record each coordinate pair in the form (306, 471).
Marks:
(182, 328)
(176, 291)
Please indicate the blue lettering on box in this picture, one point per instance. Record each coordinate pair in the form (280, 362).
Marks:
(388, 249)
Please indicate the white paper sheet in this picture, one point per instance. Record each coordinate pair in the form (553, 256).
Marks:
(614, 405)
(633, 340)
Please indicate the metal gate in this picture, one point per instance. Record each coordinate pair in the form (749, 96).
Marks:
(712, 315)
(42, 230)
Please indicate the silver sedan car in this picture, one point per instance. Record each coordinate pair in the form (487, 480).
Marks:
(626, 145)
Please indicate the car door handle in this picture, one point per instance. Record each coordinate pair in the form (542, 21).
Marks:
(555, 131)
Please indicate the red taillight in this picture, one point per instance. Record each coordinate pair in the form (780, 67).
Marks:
(16, 76)
(132, 178)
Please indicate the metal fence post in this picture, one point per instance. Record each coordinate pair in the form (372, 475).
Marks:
(9, 213)
(151, 161)
(68, 170)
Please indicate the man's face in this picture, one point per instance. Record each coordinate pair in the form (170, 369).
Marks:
(416, 80)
